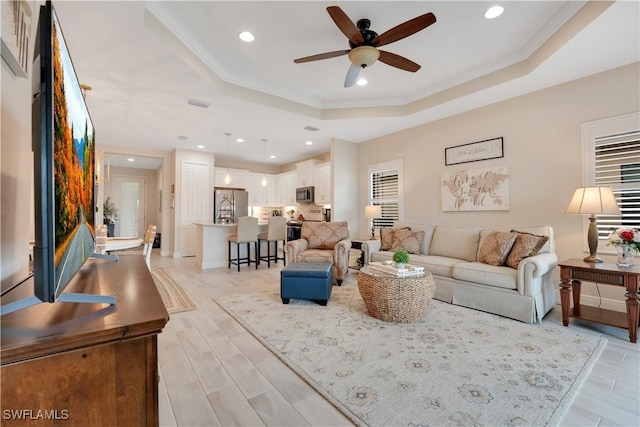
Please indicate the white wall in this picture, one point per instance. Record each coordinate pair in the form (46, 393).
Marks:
(16, 169)
(344, 181)
(542, 148)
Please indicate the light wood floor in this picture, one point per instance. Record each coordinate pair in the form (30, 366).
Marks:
(213, 372)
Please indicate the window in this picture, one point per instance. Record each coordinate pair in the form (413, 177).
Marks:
(386, 191)
(612, 159)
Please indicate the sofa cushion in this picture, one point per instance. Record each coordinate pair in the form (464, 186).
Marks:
(494, 247)
(387, 236)
(428, 233)
(408, 240)
(455, 242)
(541, 230)
(315, 255)
(526, 245)
(491, 275)
(436, 265)
(324, 235)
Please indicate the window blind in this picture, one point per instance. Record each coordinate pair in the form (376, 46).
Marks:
(617, 165)
(385, 193)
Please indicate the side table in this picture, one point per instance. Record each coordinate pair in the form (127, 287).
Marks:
(573, 270)
(357, 244)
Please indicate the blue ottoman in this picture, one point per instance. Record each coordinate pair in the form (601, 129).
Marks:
(306, 280)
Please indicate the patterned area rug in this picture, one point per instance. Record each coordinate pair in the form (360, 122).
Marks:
(174, 298)
(455, 367)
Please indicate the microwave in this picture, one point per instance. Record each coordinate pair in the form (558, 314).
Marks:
(305, 195)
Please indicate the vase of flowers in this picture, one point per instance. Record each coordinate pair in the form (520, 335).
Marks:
(627, 243)
(401, 258)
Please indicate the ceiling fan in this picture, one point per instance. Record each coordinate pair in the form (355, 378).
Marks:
(364, 43)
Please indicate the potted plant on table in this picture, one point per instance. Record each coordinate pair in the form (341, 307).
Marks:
(401, 258)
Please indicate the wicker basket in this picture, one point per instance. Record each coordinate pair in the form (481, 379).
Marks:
(396, 299)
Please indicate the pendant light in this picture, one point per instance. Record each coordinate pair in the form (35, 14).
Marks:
(264, 158)
(227, 177)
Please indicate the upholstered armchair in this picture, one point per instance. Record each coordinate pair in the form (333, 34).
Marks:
(322, 242)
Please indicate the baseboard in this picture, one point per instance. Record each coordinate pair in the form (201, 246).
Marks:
(594, 301)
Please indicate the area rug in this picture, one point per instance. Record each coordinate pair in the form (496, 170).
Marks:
(455, 367)
(173, 296)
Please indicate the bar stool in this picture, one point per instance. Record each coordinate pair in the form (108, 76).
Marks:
(276, 231)
(247, 232)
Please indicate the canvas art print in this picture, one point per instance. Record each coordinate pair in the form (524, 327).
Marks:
(484, 189)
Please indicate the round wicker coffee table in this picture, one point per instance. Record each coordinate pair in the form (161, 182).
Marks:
(395, 299)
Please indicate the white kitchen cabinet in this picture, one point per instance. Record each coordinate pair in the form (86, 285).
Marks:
(305, 173)
(322, 179)
(286, 188)
(259, 195)
(239, 177)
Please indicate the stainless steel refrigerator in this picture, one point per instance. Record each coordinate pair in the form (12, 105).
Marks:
(229, 204)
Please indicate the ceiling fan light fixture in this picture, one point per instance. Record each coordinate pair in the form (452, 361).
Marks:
(364, 56)
(362, 81)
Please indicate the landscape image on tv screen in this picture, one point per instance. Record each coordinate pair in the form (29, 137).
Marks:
(73, 165)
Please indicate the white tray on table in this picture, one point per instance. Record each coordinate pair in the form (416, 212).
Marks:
(390, 267)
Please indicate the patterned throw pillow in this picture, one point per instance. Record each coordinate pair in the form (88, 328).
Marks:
(408, 240)
(387, 237)
(526, 245)
(495, 247)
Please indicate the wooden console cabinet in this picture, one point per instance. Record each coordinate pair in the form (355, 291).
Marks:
(86, 364)
(572, 271)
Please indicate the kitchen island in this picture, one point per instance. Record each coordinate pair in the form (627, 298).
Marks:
(211, 243)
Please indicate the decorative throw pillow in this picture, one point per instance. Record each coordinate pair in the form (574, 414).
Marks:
(526, 245)
(387, 237)
(408, 240)
(495, 247)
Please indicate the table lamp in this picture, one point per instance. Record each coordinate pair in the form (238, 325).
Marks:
(371, 212)
(593, 201)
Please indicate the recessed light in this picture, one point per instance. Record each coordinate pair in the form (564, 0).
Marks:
(362, 82)
(246, 36)
(239, 140)
(131, 160)
(200, 146)
(493, 12)
(308, 143)
(273, 156)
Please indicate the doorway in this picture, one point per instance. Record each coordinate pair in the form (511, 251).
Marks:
(130, 198)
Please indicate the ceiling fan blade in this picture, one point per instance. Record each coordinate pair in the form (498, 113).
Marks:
(398, 61)
(319, 56)
(352, 75)
(405, 29)
(345, 25)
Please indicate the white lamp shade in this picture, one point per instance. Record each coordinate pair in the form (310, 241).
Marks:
(372, 211)
(593, 200)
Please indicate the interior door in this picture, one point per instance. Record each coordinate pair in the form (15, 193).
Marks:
(195, 203)
(130, 200)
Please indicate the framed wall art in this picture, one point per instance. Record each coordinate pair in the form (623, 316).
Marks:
(474, 151)
(476, 190)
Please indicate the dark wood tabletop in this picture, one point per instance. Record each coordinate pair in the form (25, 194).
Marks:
(49, 328)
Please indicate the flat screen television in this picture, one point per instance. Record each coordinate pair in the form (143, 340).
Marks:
(64, 160)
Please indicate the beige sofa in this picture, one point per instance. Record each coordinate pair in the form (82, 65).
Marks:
(469, 265)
